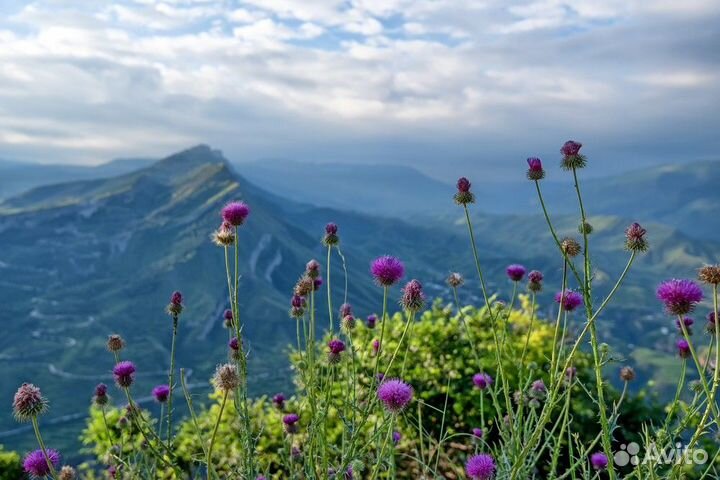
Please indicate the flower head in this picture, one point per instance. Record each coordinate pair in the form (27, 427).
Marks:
(515, 272)
(710, 274)
(572, 158)
(477, 432)
(395, 394)
(569, 300)
(228, 318)
(396, 437)
(115, 343)
(464, 195)
(161, 393)
(683, 348)
(535, 279)
(175, 307)
(371, 320)
(413, 298)
(312, 269)
(124, 373)
(711, 322)
(348, 323)
(687, 322)
(67, 473)
(290, 422)
(635, 238)
(376, 346)
(599, 461)
(387, 270)
(482, 380)
(335, 347)
(36, 465)
(317, 283)
(538, 387)
(535, 169)
(28, 403)
(331, 236)
(235, 213)
(455, 280)
(345, 310)
(679, 296)
(480, 467)
(224, 236)
(226, 377)
(279, 401)
(627, 374)
(297, 306)
(101, 397)
(570, 247)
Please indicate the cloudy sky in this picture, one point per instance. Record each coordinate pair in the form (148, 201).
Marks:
(456, 84)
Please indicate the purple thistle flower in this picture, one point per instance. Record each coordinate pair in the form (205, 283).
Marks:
(312, 269)
(477, 432)
(687, 322)
(679, 296)
(535, 279)
(463, 185)
(538, 386)
(228, 316)
(124, 373)
(234, 344)
(290, 421)
(101, 390)
(535, 169)
(176, 298)
(331, 228)
(570, 148)
(331, 237)
(376, 346)
(279, 401)
(371, 320)
(396, 437)
(175, 307)
(36, 465)
(482, 380)
(395, 394)
(413, 298)
(28, 403)
(345, 310)
(635, 238)
(569, 300)
(683, 348)
(387, 270)
(480, 467)
(464, 195)
(235, 213)
(572, 158)
(161, 393)
(515, 272)
(335, 347)
(317, 283)
(599, 461)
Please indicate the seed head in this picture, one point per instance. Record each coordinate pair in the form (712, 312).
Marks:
(224, 236)
(627, 374)
(115, 343)
(304, 286)
(570, 247)
(67, 473)
(28, 403)
(226, 378)
(710, 274)
(455, 280)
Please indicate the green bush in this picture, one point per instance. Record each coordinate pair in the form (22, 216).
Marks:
(10, 465)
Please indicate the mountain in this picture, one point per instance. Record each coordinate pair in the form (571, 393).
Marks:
(83, 259)
(18, 177)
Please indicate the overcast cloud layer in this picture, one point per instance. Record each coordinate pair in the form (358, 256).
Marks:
(472, 84)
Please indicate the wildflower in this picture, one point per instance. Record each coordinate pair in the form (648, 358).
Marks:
(317, 283)
(599, 461)
(224, 236)
(123, 422)
(455, 280)
(290, 422)
(348, 323)
(101, 397)
(175, 306)
(371, 320)
(570, 247)
(235, 213)
(295, 452)
(482, 380)
(635, 238)
(312, 269)
(124, 373)
(335, 347)
(228, 318)
(380, 377)
(260, 477)
(345, 310)
(572, 158)
(477, 432)
(687, 322)
(534, 403)
(569, 300)
(679, 296)
(297, 306)
(627, 374)
(161, 393)
(279, 401)
(112, 471)
(115, 343)
(683, 348)
(480, 467)
(226, 377)
(515, 272)
(570, 374)
(331, 237)
(36, 465)
(464, 195)
(67, 473)
(538, 388)
(376, 346)
(535, 279)
(711, 322)
(395, 394)
(304, 286)
(28, 403)
(387, 270)
(396, 437)
(710, 274)
(585, 228)
(535, 169)
(413, 297)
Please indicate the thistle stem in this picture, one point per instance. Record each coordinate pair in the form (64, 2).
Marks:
(171, 381)
(50, 465)
(214, 434)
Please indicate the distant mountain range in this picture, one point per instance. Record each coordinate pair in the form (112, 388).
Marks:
(85, 258)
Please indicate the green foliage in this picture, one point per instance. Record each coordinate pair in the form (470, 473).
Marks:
(10, 465)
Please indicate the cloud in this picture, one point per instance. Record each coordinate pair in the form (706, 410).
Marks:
(459, 82)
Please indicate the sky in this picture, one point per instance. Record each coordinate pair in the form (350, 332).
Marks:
(447, 86)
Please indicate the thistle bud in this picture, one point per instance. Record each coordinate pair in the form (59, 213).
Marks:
(570, 247)
(585, 228)
(627, 374)
(331, 237)
(348, 323)
(463, 196)
(535, 169)
(572, 158)
(635, 238)
(312, 269)
(413, 298)
(28, 403)
(224, 236)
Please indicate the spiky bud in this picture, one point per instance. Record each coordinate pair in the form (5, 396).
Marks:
(570, 247)
(710, 274)
(67, 473)
(585, 228)
(224, 236)
(572, 158)
(535, 169)
(28, 403)
(635, 238)
(331, 237)
(463, 196)
(413, 298)
(455, 280)
(115, 343)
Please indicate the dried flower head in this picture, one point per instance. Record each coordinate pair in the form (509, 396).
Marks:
(463, 196)
(710, 274)
(124, 373)
(570, 247)
(535, 169)
(569, 300)
(387, 270)
(28, 403)
(572, 158)
(482, 380)
(627, 374)
(413, 298)
(224, 236)
(36, 465)
(635, 238)
(515, 272)
(226, 378)
(599, 461)
(115, 343)
(235, 213)
(161, 393)
(304, 286)
(480, 467)
(395, 395)
(331, 237)
(67, 473)
(679, 296)
(455, 280)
